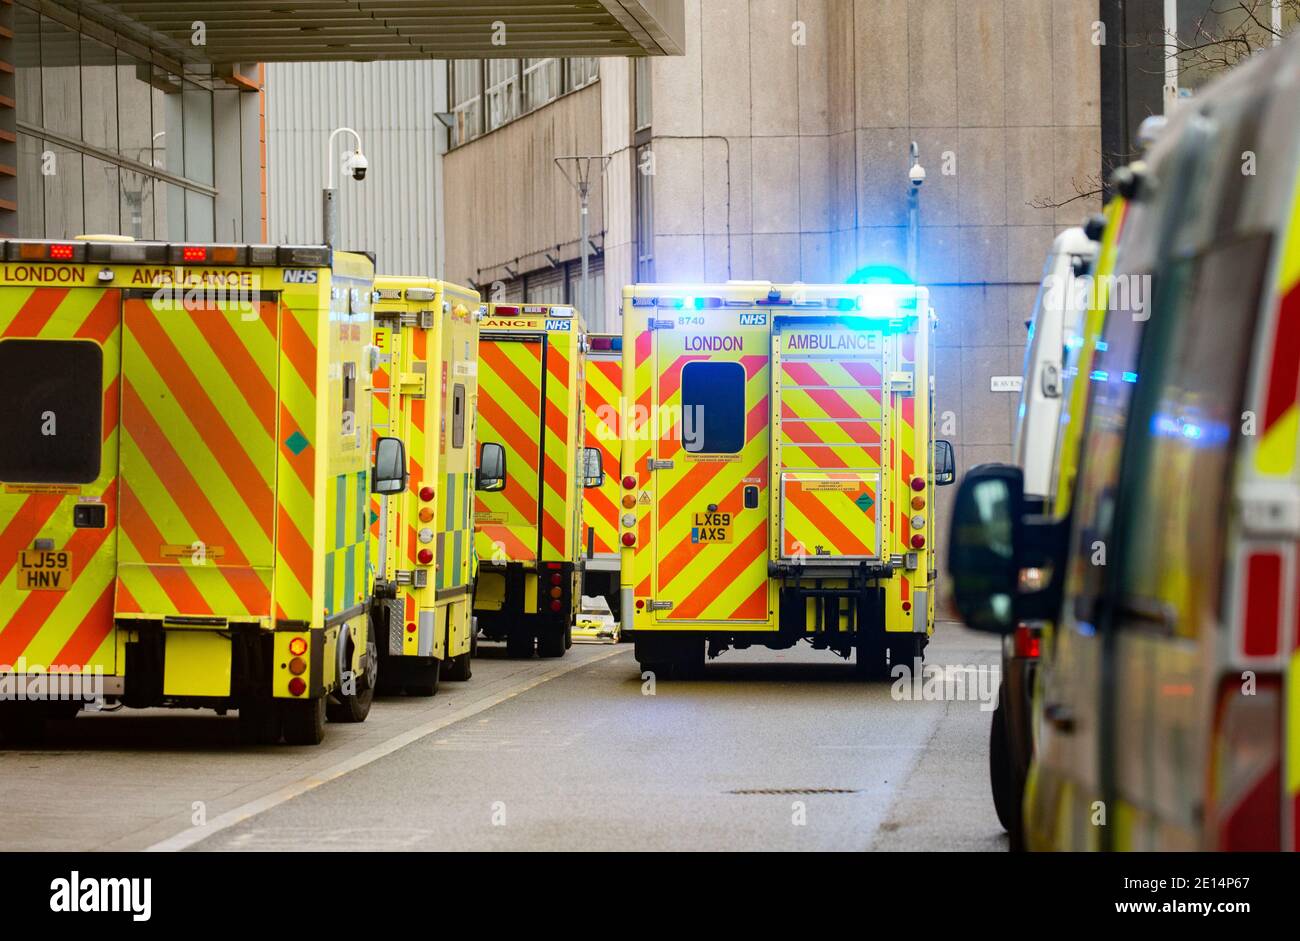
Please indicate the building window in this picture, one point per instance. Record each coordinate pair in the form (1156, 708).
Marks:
(107, 143)
(502, 92)
(581, 72)
(466, 79)
(643, 111)
(541, 82)
(644, 222)
(488, 93)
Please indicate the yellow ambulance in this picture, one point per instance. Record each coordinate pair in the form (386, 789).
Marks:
(528, 513)
(778, 471)
(425, 388)
(185, 481)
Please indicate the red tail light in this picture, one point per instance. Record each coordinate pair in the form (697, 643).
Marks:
(556, 606)
(297, 686)
(425, 556)
(918, 484)
(629, 539)
(426, 494)
(629, 482)
(556, 579)
(918, 541)
(1028, 642)
(1244, 803)
(410, 628)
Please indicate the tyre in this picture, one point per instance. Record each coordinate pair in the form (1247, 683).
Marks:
(303, 721)
(458, 668)
(423, 679)
(552, 643)
(519, 645)
(869, 661)
(259, 723)
(1006, 799)
(355, 707)
(22, 724)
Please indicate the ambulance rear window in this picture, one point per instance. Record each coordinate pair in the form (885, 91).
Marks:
(52, 416)
(713, 408)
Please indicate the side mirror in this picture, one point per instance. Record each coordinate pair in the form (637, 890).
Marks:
(389, 473)
(993, 540)
(491, 475)
(945, 464)
(982, 547)
(593, 467)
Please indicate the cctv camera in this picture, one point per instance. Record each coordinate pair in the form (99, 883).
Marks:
(356, 164)
(916, 175)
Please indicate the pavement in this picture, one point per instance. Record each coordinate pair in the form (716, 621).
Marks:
(782, 750)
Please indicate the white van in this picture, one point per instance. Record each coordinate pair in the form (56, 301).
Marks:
(1057, 322)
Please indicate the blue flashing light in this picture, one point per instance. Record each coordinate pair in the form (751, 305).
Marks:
(1099, 375)
(1130, 377)
(1102, 346)
(879, 274)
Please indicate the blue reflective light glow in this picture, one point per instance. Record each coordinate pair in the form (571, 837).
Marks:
(1073, 343)
(1130, 377)
(879, 274)
(1099, 375)
(1199, 433)
(1102, 346)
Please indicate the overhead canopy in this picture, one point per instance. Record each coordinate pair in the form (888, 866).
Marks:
(302, 30)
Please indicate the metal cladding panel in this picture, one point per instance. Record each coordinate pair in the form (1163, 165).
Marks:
(395, 211)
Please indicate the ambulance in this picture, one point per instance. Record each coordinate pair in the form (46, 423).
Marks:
(184, 482)
(534, 466)
(425, 388)
(600, 511)
(1167, 701)
(778, 471)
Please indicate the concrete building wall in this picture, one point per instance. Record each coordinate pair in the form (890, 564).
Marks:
(508, 205)
(780, 150)
(396, 211)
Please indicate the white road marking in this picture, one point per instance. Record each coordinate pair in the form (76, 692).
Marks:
(230, 818)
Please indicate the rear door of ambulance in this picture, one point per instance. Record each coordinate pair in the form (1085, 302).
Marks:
(202, 428)
(60, 359)
(829, 394)
(512, 377)
(710, 479)
(600, 504)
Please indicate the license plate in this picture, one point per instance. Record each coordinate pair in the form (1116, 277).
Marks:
(711, 527)
(44, 570)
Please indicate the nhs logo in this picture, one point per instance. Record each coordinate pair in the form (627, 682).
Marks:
(753, 320)
(557, 325)
(300, 276)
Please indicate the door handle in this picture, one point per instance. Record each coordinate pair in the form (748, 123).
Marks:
(1060, 716)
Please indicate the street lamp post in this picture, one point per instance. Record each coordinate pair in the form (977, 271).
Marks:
(580, 180)
(354, 163)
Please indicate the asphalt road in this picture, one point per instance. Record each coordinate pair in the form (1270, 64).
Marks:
(768, 750)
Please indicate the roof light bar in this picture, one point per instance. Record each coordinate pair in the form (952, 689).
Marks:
(33, 250)
(421, 294)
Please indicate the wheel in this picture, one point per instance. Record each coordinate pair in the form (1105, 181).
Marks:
(303, 720)
(519, 645)
(355, 707)
(22, 724)
(906, 649)
(869, 661)
(458, 668)
(423, 679)
(568, 636)
(551, 644)
(259, 723)
(1002, 777)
